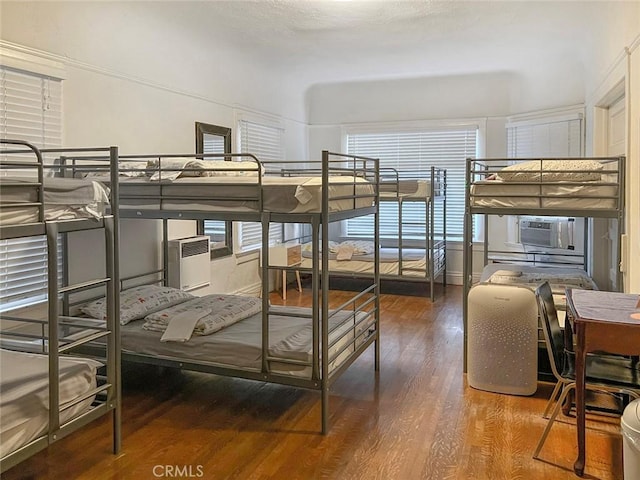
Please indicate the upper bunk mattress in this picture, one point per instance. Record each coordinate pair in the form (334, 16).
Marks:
(498, 194)
(64, 199)
(24, 403)
(412, 188)
(240, 194)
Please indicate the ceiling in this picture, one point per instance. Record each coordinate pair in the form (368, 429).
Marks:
(339, 40)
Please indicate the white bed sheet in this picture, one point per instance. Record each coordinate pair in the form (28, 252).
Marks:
(389, 264)
(548, 195)
(24, 398)
(279, 194)
(64, 199)
(240, 345)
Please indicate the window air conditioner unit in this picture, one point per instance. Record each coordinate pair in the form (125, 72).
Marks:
(189, 261)
(547, 232)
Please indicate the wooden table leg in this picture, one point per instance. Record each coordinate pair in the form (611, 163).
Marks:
(578, 466)
(284, 284)
(298, 280)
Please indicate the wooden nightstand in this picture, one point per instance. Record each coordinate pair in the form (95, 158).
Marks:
(286, 256)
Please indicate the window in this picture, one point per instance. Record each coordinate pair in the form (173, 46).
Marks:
(265, 141)
(545, 136)
(31, 110)
(417, 151)
(215, 139)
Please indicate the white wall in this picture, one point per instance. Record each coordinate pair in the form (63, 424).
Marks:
(431, 98)
(141, 84)
(614, 65)
(633, 223)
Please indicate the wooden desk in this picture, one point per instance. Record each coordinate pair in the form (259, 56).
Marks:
(602, 321)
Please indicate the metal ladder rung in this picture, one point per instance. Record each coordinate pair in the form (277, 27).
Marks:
(82, 341)
(84, 285)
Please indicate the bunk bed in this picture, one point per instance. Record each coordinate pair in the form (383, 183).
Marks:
(418, 253)
(580, 188)
(47, 392)
(302, 347)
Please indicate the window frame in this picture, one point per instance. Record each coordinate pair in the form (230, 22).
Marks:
(225, 132)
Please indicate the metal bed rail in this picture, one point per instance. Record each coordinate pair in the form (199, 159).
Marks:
(53, 340)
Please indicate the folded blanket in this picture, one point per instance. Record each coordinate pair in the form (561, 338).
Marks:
(220, 311)
(345, 252)
(181, 326)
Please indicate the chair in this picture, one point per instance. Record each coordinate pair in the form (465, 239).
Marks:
(604, 373)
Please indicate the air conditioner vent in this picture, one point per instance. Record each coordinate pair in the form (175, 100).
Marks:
(197, 247)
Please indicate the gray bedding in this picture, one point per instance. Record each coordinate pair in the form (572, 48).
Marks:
(239, 345)
(279, 194)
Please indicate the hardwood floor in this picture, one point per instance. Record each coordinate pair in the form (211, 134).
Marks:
(415, 419)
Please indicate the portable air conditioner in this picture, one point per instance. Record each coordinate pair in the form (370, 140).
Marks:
(189, 260)
(547, 232)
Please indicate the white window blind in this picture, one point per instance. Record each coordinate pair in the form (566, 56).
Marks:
(215, 229)
(416, 152)
(31, 110)
(545, 138)
(267, 143)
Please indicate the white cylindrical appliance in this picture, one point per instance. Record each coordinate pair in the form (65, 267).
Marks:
(502, 339)
(630, 423)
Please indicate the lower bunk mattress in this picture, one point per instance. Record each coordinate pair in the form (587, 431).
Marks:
(415, 262)
(559, 278)
(24, 403)
(239, 346)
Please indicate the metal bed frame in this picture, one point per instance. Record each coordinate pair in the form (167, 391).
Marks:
(479, 169)
(364, 304)
(54, 339)
(434, 241)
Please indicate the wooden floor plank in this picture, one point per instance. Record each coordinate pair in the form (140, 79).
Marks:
(414, 419)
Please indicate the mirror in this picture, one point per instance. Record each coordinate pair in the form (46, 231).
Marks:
(215, 139)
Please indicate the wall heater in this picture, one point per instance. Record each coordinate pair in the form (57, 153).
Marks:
(189, 263)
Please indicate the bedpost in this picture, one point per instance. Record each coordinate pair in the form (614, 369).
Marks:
(325, 292)
(53, 347)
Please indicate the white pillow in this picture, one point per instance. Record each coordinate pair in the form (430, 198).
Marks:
(581, 170)
(138, 302)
